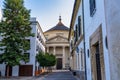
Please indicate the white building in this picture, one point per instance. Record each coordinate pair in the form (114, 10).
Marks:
(112, 16)
(0, 13)
(94, 43)
(58, 45)
(76, 40)
(95, 40)
(37, 43)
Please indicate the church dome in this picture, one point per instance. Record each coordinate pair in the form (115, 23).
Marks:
(59, 26)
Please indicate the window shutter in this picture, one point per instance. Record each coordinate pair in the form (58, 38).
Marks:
(76, 32)
(79, 25)
(92, 7)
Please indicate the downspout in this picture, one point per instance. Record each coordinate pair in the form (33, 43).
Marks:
(84, 40)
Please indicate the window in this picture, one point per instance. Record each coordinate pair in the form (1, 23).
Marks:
(92, 7)
(106, 42)
(26, 57)
(37, 34)
(88, 53)
(27, 44)
(79, 25)
(76, 28)
(1, 60)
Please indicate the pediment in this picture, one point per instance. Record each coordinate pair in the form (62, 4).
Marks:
(58, 39)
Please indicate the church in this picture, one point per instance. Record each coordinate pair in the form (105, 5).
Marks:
(57, 44)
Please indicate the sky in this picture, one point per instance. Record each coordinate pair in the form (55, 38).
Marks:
(47, 12)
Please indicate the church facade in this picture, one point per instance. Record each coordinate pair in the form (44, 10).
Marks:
(57, 44)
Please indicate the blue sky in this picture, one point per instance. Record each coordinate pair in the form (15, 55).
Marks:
(48, 11)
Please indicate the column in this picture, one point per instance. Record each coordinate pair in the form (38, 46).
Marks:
(48, 49)
(63, 56)
(54, 51)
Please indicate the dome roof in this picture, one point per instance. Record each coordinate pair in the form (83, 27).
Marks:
(59, 26)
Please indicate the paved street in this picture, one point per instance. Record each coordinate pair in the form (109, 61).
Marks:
(55, 75)
(59, 75)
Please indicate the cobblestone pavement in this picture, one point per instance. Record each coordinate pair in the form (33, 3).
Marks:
(17, 78)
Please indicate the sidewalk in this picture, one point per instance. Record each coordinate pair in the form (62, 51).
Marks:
(40, 77)
(16, 78)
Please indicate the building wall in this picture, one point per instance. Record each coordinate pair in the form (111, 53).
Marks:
(2, 69)
(50, 34)
(112, 15)
(95, 43)
(34, 44)
(80, 44)
(37, 43)
(67, 57)
(58, 47)
(77, 49)
(0, 13)
(91, 24)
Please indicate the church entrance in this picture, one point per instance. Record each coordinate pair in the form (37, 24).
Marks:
(59, 63)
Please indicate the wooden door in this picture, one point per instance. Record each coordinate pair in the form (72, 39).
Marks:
(10, 70)
(59, 63)
(98, 66)
(25, 70)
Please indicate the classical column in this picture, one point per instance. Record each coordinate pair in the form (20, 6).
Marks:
(54, 51)
(63, 56)
(48, 49)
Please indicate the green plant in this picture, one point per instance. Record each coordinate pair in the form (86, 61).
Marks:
(14, 30)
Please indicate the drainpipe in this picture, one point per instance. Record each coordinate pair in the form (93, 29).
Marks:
(84, 40)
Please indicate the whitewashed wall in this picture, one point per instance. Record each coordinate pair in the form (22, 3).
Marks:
(2, 69)
(80, 46)
(0, 13)
(91, 24)
(112, 10)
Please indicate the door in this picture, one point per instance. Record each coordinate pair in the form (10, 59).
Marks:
(10, 70)
(25, 70)
(98, 66)
(59, 63)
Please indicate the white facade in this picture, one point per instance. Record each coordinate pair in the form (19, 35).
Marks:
(80, 51)
(91, 24)
(0, 13)
(37, 43)
(77, 46)
(112, 15)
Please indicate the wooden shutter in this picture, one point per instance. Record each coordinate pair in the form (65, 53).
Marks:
(79, 25)
(92, 7)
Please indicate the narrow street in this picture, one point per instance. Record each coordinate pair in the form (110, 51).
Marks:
(55, 75)
(58, 75)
